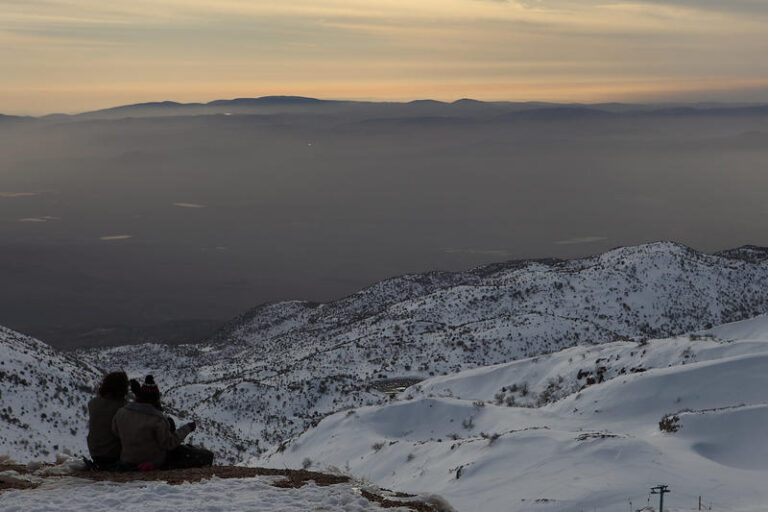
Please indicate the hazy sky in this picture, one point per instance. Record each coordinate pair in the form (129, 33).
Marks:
(73, 55)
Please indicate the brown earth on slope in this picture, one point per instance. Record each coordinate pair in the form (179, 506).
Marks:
(296, 478)
(12, 483)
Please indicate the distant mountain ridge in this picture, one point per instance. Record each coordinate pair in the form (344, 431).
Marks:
(8, 119)
(467, 107)
(280, 100)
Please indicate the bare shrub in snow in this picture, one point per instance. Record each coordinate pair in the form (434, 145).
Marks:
(670, 423)
(551, 392)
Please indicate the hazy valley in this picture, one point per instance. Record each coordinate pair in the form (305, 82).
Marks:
(162, 221)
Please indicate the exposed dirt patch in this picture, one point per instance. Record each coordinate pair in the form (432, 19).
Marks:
(15, 485)
(297, 478)
(13, 467)
(418, 506)
(293, 478)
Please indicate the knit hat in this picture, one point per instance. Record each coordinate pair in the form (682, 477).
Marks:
(148, 392)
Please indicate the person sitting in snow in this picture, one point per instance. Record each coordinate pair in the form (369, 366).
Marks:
(149, 439)
(103, 445)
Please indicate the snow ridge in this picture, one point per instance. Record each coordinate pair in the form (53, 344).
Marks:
(280, 368)
(591, 444)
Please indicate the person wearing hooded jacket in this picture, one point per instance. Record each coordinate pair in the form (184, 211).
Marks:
(103, 445)
(144, 431)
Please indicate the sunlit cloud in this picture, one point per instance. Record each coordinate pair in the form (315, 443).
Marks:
(734, 7)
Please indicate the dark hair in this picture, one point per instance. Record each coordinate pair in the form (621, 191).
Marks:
(114, 385)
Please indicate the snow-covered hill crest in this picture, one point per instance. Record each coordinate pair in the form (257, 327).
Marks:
(692, 415)
(280, 368)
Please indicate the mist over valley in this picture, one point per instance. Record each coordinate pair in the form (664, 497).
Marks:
(161, 221)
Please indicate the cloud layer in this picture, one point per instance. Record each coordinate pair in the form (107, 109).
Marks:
(79, 54)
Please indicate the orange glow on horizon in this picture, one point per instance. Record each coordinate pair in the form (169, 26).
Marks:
(78, 55)
(44, 100)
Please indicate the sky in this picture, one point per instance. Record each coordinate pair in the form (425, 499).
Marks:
(76, 55)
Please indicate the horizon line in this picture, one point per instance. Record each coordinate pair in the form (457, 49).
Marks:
(212, 102)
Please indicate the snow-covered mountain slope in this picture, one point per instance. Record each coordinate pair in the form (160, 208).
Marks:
(43, 397)
(597, 445)
(280, 368)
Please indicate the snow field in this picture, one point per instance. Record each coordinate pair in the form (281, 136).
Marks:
(731, 437)
(42, 398)
(597, 448)
(215, 495)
